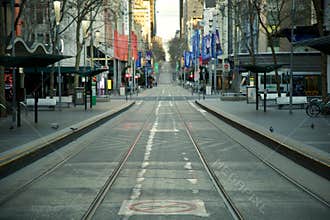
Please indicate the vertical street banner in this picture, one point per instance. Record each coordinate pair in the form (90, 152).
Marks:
(148, 55)
(213, 49)
(138, 60)
(186, 59)
(206, 47)
(134, 50)
(217, 43)
(197, 43)
(121, 46)
(191, 59)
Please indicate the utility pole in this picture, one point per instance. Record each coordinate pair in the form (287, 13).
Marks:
(293, 11)
(129, 60)
(13, 54)
(222, 10)
(92, 58)
(235, 70)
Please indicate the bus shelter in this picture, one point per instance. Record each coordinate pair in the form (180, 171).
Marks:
(34, 61)
(266, 68)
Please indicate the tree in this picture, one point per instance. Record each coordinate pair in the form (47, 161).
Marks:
(176, 47)
(245, 19)
(272, 14)
(79, 10)
(319, 8)
(158, 51)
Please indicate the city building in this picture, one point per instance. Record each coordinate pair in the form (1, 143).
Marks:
(255, 36)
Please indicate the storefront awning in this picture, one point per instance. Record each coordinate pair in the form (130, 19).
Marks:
(260, 68)
(321, 43)
(31, 60)
(91, 72)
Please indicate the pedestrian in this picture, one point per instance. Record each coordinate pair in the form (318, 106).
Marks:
(8, 89)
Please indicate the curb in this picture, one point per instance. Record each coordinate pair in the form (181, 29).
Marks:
(19, 157)
(289, 150)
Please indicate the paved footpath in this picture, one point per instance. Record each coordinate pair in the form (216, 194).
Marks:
(48, 121)
(310, 135)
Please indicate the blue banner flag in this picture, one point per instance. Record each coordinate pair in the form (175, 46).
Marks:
(218, 44)
(197, 43)
(148, 55)
(206, 47)
(138, 61)
(213, 49)
(187, 59)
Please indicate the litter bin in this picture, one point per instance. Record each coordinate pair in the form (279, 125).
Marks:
(251, 95)
(208, 90)
(79, 96)
(122, 91)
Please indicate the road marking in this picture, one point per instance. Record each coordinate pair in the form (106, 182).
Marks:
(193, 181)
(163, 207)
(145, 164)
(188, 166)
(164, 130)
(198, 109)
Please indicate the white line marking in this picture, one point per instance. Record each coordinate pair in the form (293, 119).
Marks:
(193, 181)
(197, 108)
(164, 130)
(145, 164)
(188, 166)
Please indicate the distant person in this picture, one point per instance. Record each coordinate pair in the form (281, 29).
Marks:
(8, 89)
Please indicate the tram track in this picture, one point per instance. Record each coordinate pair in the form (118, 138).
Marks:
(17, 160)
(215, 180)
(270, 165)
(112, 178)
(89, 214)
(305, 159)
(107, 186)
(62, 161)
(277, 170)
(259, 158)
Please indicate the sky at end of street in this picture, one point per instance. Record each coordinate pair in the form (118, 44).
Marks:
(167, 18)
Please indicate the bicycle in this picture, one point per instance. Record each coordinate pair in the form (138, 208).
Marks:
(318, 106)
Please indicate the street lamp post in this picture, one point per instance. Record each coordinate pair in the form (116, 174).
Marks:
(14, 105)
(293, 9)
(57, 9)
(85, 25)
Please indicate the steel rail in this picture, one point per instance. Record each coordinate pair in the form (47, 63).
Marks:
(112, 178)
(270, 165)
(215, 180)
(50, 170)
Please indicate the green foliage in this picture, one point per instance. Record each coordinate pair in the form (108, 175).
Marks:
(158, 51)
(176, 47)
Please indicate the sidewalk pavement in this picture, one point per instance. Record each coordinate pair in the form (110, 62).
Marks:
(306, 134)
(51, 123)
